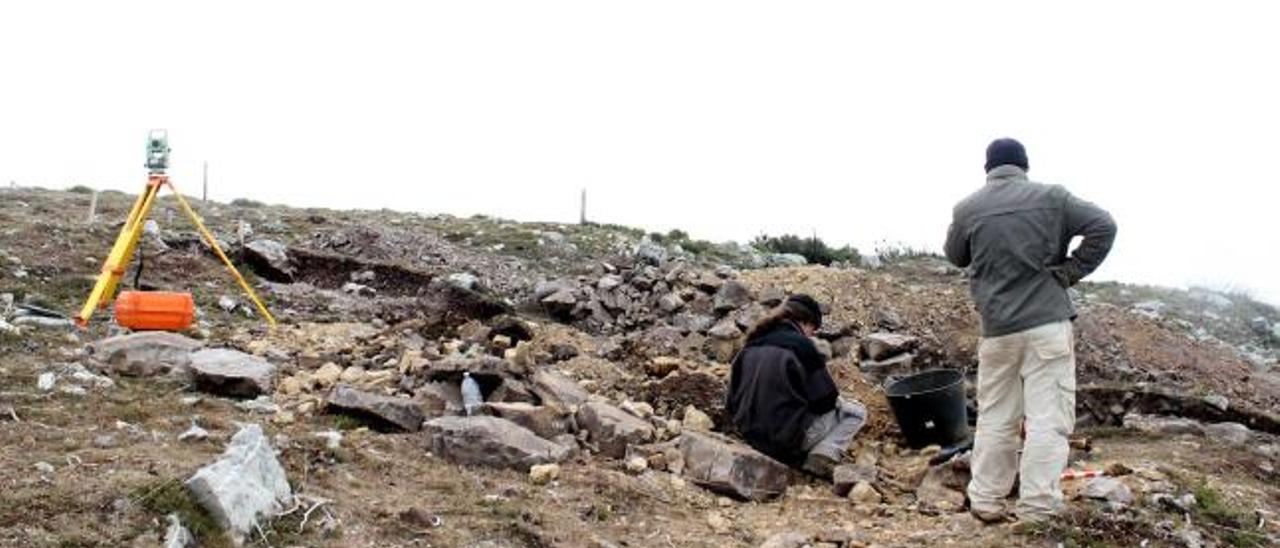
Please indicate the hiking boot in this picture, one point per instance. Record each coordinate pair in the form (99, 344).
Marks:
(820, 465)
(990, 516)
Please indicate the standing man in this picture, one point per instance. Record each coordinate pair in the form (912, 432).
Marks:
(1014, 235)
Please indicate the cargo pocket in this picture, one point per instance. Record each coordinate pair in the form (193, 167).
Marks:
(1055, 348)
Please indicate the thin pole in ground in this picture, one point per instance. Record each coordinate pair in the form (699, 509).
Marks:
(93, 207)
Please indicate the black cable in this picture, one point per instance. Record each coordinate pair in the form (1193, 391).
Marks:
(137, 274)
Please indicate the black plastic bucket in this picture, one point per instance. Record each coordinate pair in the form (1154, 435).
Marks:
(929, 407)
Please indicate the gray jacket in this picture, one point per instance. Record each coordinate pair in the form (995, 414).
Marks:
(1013, 235)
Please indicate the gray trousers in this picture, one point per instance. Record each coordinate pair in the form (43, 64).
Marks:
(830, 434)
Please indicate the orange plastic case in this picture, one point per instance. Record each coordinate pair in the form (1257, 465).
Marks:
(155, 310)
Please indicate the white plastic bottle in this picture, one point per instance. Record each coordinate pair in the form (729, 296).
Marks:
(471, 397)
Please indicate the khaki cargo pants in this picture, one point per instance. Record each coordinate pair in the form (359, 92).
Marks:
(1030, 374)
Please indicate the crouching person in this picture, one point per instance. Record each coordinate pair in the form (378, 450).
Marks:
(782, 400)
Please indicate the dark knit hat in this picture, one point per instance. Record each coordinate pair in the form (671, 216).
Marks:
(808, 307)
(1006, 151)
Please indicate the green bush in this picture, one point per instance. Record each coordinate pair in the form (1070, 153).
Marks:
(813, 249)
(10, 341)
(899, 252)
(697, 247)
(1236, 523)
(162, 497)
(80, 189)
(682, 239)
(633, 232)
(245, 202)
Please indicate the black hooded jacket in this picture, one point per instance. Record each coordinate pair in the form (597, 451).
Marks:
(778, 385)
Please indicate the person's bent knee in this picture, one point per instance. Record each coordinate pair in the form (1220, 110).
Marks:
(853, 409)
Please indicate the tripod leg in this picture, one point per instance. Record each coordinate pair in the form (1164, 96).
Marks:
(117, 261)
(135, 234)
(213, 243)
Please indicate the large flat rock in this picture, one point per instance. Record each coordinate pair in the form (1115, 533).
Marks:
(388, 411)
(145, 354)
(451, 369)
(556, 389)
(730, 468)
(489, 441)
(227, 372)
(244, 486)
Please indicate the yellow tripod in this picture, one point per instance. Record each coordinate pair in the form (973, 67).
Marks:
(127, 243)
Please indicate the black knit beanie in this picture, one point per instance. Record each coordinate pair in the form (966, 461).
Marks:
(809, 306)
(1006, 151)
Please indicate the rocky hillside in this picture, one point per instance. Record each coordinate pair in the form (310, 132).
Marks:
(600, 355)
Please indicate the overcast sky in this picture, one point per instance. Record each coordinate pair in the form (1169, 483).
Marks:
(864, 122)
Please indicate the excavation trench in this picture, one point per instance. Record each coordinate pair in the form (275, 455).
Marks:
(1108, 404)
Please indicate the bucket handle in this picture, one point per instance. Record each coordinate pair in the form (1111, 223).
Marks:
(892, 378)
